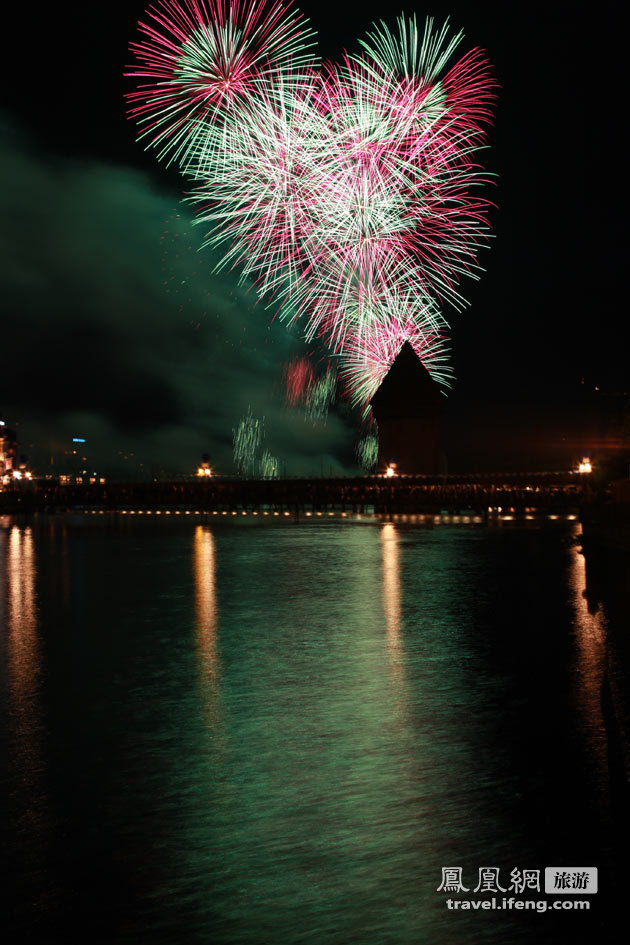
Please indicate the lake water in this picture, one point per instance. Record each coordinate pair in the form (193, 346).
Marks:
(252, 733)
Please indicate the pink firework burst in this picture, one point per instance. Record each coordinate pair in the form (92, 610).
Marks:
(197, 57)
(351, 197)
(256, 185)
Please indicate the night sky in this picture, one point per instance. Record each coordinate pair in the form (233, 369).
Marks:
(114, 327)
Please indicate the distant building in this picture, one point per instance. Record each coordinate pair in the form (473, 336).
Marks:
(8, 451)
(407, 407)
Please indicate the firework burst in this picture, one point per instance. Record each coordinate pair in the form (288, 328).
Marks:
(350, 196)
(197, 59)
(256, 187)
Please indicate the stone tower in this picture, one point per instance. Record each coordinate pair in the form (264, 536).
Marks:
(407, 407)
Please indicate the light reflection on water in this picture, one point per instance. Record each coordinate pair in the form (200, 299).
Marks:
(205, 580)
(391, 579)
(23, 665)
(22, 623)
(282, 734)
(23, 695)
(589, 666)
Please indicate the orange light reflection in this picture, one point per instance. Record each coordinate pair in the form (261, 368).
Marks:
(391, 579)
(23, 647)
(589, 665)
(206, 614)
(24, 673)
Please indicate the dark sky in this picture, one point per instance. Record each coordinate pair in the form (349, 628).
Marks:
(114, 327)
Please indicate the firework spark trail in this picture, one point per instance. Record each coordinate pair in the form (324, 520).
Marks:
(348, 196)
(321, 396)
(298, 378)
(315, 394)
(247, 440)
(268, 465)
(366, 452)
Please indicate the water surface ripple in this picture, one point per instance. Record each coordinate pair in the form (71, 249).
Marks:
(250, 734)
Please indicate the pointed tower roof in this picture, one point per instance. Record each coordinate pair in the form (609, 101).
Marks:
(408, 389)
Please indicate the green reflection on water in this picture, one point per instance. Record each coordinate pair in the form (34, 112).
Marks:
(283, 734)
